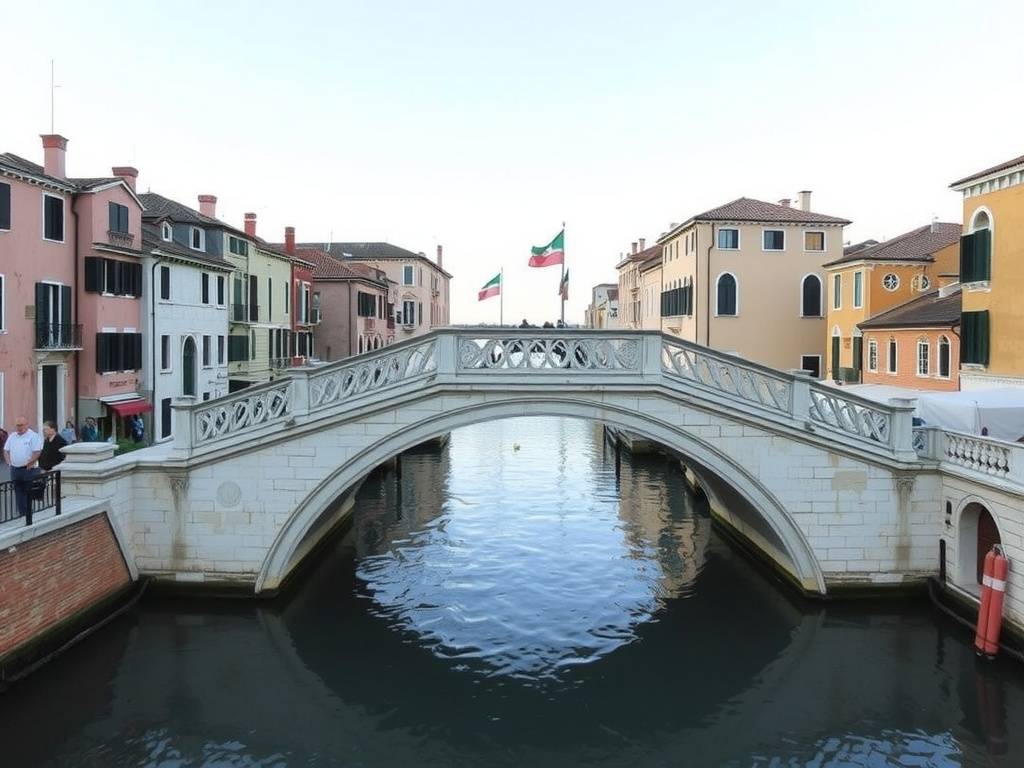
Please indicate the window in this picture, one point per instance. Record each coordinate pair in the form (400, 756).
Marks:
(287, 290)
(366, 304)
(112, 277)
(53, 218)
(920, 283)
(728, 239)
(5, 206)
(774, 240)
(837, 291)
(814, 241)
(252, 345)
(165, 283)
(118, 216)
(188, 367)
(858, 290)
(728, 296)
(238, 349)
(270, 298)
(205, 282)
(165, 353)
(197, 240)
(976, 250)
(891, 281)
(810, 297)
(117, 352)
(892, 355)
(974, 335)
(873, 355)
(407, 274)
(858, 351)
(409, 312)
(220, 350)
(238, 246)
(206, 351)
(165, 417)
(834, 358)
(3, 303)
(922, 357)
(943, 357)
(166, 233)
(811, 364)
(220, 290)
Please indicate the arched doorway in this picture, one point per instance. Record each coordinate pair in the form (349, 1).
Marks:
(978, 533)
(188, 368)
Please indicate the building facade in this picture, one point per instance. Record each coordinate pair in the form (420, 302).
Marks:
(630, 284)
(747, 278)
(305, 302)
(872, 279)
(917, 344)
(992, 275)
(650, 291)
(603, 310)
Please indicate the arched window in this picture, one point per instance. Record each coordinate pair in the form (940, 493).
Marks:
(728, 295)
(165, 232)
(920, 283)
(944, 357)
(188, 368)
(923, 354)
(810, 296)
(976, 248)
(981, 220)
(892, 355)
(834, 357)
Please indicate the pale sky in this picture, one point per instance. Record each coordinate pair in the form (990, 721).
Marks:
(483, 126)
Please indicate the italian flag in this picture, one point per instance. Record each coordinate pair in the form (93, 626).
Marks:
(563, 287)
(491, 288)
(552, 253)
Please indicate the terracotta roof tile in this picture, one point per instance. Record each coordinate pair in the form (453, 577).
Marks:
(916, 245)
(987, 171)
(928, 311)
(748, 209)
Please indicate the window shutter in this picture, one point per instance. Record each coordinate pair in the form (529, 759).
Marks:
(112, 217)
(93, 273)
(118, 278)
(65, 305)
(42, 316)
(5, 206)
(137, 342)
(165, 282)
(419, 310)
(982, 335)
(983, 254)
(967, 258)
(137, 279)
(835, 357)
(858, 348)
(101, 352)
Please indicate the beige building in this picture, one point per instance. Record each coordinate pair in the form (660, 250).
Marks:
(420, 302)
(650, 291)
(603, 310)
(630, 283)
(747, 278)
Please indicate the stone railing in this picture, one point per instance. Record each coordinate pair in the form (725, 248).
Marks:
(971, 454)
(514, 357)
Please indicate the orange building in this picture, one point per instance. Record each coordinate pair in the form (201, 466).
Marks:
(915, 345)
(870, 280)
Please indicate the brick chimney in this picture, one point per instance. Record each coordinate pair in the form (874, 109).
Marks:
(127, 173)
(440, 256)
(54, 151)
(250, 224)
(208, 205)
(784, 202)
(289, 240)
(805, 199)
(643, 242)
(633, 248)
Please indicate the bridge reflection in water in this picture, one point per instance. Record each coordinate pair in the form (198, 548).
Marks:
(511, 601)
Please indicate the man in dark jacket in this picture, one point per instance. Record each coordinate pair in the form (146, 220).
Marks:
(51, 455)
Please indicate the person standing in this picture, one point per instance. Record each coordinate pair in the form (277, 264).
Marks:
(90, 434)
(68, 433)
(21, 452)
(53, 441)
(138, 428)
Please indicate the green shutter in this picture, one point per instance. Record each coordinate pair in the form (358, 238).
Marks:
(983, 336)
(858, 347)
(835, 358)
(966, 258)
(983, 254)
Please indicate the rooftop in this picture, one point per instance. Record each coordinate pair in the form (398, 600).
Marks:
(929, 311)
(994, 169)
(151, 240)
(748, 209)
(916, 245)
(369, 251)
(326, 267)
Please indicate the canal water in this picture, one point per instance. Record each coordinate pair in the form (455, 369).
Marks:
(512, 600)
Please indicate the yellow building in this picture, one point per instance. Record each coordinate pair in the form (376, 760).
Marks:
(992, 274)
(650, 291)
(873, 278)
(747, 278)
(631, 294)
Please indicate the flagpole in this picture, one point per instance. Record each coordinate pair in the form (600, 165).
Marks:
(501, 298)
(561, 293)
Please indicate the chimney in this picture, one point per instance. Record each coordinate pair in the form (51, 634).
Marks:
(127, 173)
(54, 150)
(250, 224)
(440, 256)
(935, 224)
(784, 202)
(805, 199)
(208, 205)
(643, 242)
(634, 247)
(289, 240)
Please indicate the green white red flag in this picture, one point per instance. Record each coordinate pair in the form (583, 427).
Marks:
(552, 253)
(563, 287)
(491, 288)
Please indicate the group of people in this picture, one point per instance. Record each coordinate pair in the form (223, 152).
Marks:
(29, 454)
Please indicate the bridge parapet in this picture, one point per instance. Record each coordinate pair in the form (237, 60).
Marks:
(542, 357)
(973, 456)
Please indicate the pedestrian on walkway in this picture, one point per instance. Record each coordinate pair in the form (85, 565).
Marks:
(53, 441)
(90, 434)
(68, 433)
(21, 452)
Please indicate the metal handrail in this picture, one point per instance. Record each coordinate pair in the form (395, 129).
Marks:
(44, 493)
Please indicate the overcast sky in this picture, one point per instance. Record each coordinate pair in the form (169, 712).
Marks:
(483, 126)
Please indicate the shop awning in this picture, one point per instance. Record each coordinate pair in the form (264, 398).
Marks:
(130, 407)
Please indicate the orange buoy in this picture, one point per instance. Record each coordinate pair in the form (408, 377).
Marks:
(994, 623)
(986, 600)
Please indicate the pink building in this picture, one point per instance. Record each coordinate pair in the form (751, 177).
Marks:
(305, 300)
(69, 249)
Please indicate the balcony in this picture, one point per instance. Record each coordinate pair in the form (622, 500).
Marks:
(368, 323)
(57, 336)
(245, 313)
(278, 363)
(120, 239)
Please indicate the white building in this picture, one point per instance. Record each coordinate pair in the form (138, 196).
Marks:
(185, 322)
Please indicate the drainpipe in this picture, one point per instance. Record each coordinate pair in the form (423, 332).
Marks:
(952, 329)
(707, 282)
(78, 360)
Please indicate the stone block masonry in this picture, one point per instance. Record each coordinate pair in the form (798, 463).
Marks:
(51, 579)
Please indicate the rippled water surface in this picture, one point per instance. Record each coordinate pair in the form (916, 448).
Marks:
(512, 600)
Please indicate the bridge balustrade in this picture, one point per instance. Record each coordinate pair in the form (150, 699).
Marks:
(546, 358)
(971, 455)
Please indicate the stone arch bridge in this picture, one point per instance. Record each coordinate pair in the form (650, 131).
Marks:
(819, 481)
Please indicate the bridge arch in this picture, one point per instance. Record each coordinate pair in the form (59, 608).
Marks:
(708, 459)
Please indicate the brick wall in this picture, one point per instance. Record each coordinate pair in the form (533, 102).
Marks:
(51, 578)
(906, 359)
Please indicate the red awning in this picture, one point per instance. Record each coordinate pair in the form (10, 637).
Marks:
(130, 407)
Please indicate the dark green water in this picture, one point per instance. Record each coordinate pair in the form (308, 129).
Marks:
(513, 603)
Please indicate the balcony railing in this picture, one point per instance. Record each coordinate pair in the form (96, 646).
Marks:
(120, 239)
(245, 313)
(280, 362)
(43, 493)
(58, 336)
